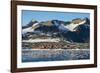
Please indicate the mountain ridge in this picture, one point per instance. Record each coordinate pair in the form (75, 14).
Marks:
(76, 30)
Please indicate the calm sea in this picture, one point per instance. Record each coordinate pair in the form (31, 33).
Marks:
(37, 55)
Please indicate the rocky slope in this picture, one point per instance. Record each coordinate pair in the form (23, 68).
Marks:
(77, 30)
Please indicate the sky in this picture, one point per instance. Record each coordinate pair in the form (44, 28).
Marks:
(28, 15)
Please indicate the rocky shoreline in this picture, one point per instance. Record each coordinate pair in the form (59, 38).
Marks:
(55, 45)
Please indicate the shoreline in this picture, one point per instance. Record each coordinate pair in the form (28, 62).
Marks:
(55, 45)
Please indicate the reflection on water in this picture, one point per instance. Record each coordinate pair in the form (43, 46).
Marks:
(36, 55)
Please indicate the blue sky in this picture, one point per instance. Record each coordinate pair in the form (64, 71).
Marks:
(28, 15)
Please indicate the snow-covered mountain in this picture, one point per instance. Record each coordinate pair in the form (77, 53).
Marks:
(30, 27)
(76, 30)
(75, 23)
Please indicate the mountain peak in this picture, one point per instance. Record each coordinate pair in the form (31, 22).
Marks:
(77, 21)
(33, 20)
(30, 24)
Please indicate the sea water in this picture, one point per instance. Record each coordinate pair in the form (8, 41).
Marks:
(37, 55)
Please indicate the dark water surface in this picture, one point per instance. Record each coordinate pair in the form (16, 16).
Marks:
(36, 55)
